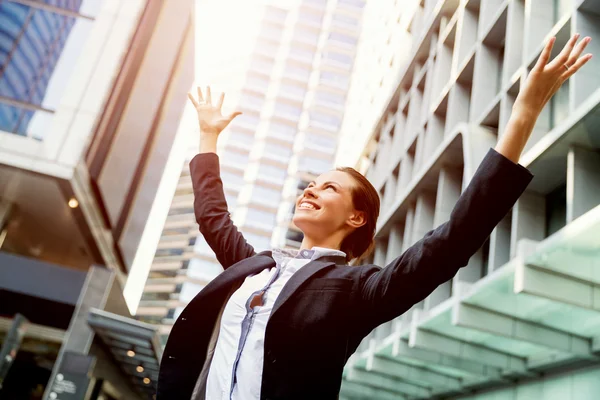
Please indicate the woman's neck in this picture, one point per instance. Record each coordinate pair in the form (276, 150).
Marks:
(329, 243)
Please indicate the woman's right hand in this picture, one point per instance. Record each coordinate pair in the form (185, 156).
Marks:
(211, 121)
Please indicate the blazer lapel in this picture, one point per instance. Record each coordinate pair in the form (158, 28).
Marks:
(301, 276)
(241, 270)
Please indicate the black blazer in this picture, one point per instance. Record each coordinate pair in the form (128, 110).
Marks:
(326, 308)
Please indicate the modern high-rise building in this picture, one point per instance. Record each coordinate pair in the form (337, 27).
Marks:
(294, 79)
(91, 94)
(521, 321)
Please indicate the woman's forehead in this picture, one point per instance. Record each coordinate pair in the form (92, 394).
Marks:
(341, 178)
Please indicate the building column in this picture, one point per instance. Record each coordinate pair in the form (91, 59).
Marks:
(79, 336)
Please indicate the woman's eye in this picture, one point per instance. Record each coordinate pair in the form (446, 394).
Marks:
(330, 186)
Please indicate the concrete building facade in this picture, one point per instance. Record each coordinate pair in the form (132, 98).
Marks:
(521, 320)
(91, 94)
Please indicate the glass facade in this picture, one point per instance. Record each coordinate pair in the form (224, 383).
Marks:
(38, 52)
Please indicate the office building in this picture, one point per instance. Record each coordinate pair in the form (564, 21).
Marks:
(295, 75)
(521, 320)
(91, 93)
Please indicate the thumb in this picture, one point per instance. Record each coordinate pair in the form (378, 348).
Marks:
(233, 115)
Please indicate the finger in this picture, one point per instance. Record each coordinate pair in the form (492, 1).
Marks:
(200, 97)
(208, 96)
(545, 56)
(221, 99)
(575, 67)
(577, 51)
(194, 102)
(233, 115)
(563, 56)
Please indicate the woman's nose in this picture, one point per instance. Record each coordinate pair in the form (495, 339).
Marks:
(309, 192)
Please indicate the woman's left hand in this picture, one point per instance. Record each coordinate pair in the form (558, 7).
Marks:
(547, 77)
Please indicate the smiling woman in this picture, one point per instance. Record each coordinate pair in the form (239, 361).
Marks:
(282, 324)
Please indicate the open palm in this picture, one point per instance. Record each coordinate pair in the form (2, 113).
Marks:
(209, 116)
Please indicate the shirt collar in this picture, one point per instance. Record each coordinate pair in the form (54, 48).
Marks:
(314, 254)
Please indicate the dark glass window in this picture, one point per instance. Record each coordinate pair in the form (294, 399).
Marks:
(38, 52)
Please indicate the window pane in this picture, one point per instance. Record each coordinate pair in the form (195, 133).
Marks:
(38, 51)
(266, 196)
(340, 37)
(230, 178)
(330, 120)
(273, 172)
(313, 165)
(338, 57)
(346, 19)
(335, 79)
(285, 109)
(274, 148)
(328, 97)
(293, 89)
(315, 140)
(260, 218)
(257, 81)
(294, 70)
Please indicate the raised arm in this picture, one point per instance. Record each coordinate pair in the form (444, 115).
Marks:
(210, 206)
(495, 187)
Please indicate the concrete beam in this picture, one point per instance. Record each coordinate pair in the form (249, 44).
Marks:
(356, 390)
(469, 351)
(555, 286)
(403, 351)
(410, 373)
(386, 383)
(475, 317)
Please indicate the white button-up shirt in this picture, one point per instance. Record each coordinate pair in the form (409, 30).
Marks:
(236, 369)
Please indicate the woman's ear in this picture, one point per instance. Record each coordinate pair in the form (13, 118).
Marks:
(357, 219)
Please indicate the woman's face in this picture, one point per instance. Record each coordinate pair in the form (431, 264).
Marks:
(326, 205)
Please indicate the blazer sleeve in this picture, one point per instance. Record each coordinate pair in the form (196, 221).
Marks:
(387, 293)
(210, 208)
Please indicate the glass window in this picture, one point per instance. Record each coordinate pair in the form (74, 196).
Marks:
(247, 119)
(346, 19)
(338, 57)
(231, 201)
(230, 178)
(275, 173)
(252, 100)
(266, 196)
(257, 81)
(327, 119)
(260, 218)
(313, 165)
(267, 46)
(306, 35)
(261, 64)
(284, 109)
(241, 137)
(280, 130)
(334, 78)
(323, 141)
(301, 52)
(277, 149)
(275, 13)
(297, 71)
(235, 158)
(259, 242)
(332, 98)
(181, 211)
(340, 37)
(310, 16)
(38, 50)
(293, 89)
(354, 3)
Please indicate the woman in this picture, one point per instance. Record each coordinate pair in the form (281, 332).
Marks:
(282, 324)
